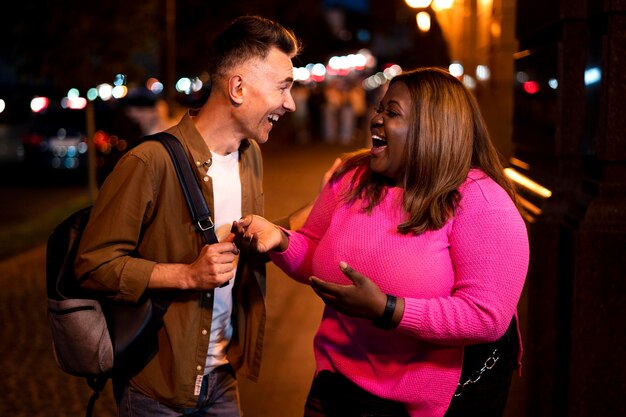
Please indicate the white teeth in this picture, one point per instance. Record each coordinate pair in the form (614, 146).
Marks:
(273, 117)
(376, 137)
(377, 141)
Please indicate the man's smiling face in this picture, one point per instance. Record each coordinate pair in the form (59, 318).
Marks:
(266, 94)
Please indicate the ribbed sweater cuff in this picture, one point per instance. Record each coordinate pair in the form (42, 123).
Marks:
(413, 316)
(290, 259)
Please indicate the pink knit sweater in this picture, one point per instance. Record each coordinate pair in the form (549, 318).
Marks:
(461, 285)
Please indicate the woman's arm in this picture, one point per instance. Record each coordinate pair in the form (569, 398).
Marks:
(489, 251)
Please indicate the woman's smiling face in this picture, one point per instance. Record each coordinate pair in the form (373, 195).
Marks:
(390, 127)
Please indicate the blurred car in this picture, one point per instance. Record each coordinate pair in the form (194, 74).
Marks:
(55, 141)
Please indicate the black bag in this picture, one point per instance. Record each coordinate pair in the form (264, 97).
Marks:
(93, 335)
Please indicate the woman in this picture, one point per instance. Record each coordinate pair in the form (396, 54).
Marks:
(420, 254)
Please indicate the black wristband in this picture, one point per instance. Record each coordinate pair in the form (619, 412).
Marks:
(384, 321)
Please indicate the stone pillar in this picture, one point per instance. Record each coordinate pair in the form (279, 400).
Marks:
(569, 136)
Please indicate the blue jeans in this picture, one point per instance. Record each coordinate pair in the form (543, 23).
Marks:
(219, 396)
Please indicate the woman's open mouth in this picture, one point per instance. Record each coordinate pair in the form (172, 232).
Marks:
(378, 142)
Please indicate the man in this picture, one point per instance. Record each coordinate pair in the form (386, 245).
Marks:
(140, 237)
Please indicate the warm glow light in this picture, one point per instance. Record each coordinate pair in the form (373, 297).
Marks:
(105, 91)
(157, 88)
(38, 104)
(529, 206)
(527, 183)
(496, 30)
(370, 60)
(196, 84)
(380, 78)
(374, 81)
(119, 91)
(423, 21)
(391, 71)
(483, 73)
(357, 61)
(183, 85)
(519, 163)
(343, 65)
(338, 63)
(418, 4)
(469, 82)
(318, 70)
(442, 5)
(74, 103)
(154, 85)
(522, 54)
(301, 74)
(456, 69)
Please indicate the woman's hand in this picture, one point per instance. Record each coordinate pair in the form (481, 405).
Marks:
(361, 299)
(257, 233)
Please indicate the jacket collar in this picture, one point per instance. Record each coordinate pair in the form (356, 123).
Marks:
(192, 139)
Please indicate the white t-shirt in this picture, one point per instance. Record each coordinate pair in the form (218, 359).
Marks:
(224, 172)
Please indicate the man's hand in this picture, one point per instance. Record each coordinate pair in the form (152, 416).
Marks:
(215, 265)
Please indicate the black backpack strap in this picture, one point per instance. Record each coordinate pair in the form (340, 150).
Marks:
(200, 214)
(97, 385)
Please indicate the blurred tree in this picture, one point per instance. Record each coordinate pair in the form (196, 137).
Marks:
(67, 43)
(77, 43)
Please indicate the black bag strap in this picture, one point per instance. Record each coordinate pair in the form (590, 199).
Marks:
(200, 213)
(97, 385)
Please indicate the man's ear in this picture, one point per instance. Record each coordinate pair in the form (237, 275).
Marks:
(235, 89)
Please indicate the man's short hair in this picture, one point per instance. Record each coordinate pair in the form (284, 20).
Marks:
(249, 37)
